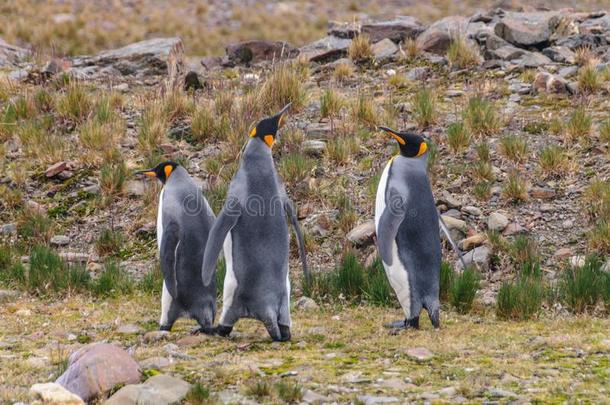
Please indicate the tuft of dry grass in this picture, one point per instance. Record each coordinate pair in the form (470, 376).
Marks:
(76, 103)
(463, 54)
(40, 142)
(412, 49)
(363, 111)
(153, 127)
(481, 117)
(578, 127)
(604, 131)
(589, 79)
(360, 50)
(553, 160)
(515, 188)
(585, 56)
(283, 86)
(513, 148)
(203, 124)
(458, 137)
(112, 178)
(425, 109)
(342, 72)
(339, 150)
(330, 103)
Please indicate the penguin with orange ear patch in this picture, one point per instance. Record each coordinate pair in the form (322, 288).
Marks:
(184, 220)
(252, 230)
(407, 226)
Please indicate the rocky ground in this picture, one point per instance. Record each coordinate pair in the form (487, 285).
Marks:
(75, 127)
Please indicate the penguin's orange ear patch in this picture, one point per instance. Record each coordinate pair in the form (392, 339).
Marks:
(253, 132)
(168, 170)
(269, 140)
(423, 147)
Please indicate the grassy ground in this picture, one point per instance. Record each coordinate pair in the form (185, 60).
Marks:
(339, 352)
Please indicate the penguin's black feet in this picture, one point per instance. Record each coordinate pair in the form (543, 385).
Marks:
(404, 324)
(223, 331)
(435, 319)
(165, 327)
(412, 323)
(285, 333)
(206, 330)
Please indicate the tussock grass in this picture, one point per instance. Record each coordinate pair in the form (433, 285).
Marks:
(553, 160)
(331, 103)
(76, 103)
(599, 237)
(514, 148)
(360, 50)
(224, 102)
(480, 117)
(43, 100)
(482, 190)
(294, 167)
(425, 110)
(412, 50)
(153, 127)
(258, 389)
(34, 226)
(463, 290)
(342, 72)
(397, 81)
(520, 300)
(446, 281)
(110, 242)
(589, 79)
(364, 112)
(458, 137)
(515, 188)
(581, 288)
(596, 199)
(49, 274)
(604, 131)
(12, 272)
(39, 142)
(578, 127)
(289, 392)
(112, 282)
(112, 178)
(462, 54)
(176, 105)
(585, 56)
(339, 150)
(198, 394)
(523, 252)
(203, 127)
(483, 152)
(483, 171)
(152, 282)
(283, 86)
(101, 135)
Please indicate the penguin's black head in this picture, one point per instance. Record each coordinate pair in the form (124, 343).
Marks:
(411, 145)
(162, 171)
(266, 130)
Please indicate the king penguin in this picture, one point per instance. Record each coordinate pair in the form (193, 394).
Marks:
(184, 221)
(252, 229)
(407, 226)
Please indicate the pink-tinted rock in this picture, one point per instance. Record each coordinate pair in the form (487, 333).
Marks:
(97, 368)
(420, 353)
(55, 169)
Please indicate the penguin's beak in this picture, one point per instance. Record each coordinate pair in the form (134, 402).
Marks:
(148, 172)
(394, 134)
(280, 115)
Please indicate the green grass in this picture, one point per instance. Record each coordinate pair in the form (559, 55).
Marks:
(198, 394)
(114, 281)
(446, 281)
(110, 242)
(49, 274)
(481, 117)
(289, 392)
(520, 300)
(152, 282)
(458, 137)
(514, 148)
(578, 127)
(258, 389)
(463, 290)
(295, 167)
(581, 288)
(425, 110)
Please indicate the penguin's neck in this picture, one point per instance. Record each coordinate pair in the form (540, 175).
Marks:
(257, 156)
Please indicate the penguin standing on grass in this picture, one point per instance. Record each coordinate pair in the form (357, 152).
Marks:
(253, 231)
(184, 221)
(407, 226)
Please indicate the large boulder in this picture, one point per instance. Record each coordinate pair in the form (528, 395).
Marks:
(159, 390)
(397, 30)
(11, 55)
(145, 58)
(346, 30)
(363, 234)
(526, 29)
(384, 49)
(438, 36)
(96, 368)
(327, 49)
(259, 51)
(53, 394)
(598, 25)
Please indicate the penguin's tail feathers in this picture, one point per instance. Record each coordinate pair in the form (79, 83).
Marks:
(455, 247)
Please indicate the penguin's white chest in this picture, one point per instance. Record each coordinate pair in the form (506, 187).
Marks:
(160, 220)
(397, 273)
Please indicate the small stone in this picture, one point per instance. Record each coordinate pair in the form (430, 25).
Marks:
(23, 312)
(155, 336)
(135, 188)
(449, 200)
(417, 73)
(513, 229)
(156, 362)
(129, 329)
(471, 210)
(93, 189)
(473, 241)
(397, 30)
(363, 234)
(159, 390)
(54, 394)
(55, 169)
(319, 130)
(306, 304)
(577, 261)
(8, 229)
(60, 240)
(500, 393)
(563, 253)
(420, 354)
(384, 49)
(447, 392)
(355, 377)
(454, 223)
(313, 147)
(311, 397)
(371, 400)
(479, 257)
(543, 193)
(497, 222)
(8, 296)
(191, 340)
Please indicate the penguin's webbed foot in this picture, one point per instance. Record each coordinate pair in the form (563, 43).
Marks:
(223, 331)
(396, 325)
(206, 330)
(165, 327)
(404, 324)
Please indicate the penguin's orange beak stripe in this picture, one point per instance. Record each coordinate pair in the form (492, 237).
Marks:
(168, 170)
(269, 140)
(423, 147)
(398, 138)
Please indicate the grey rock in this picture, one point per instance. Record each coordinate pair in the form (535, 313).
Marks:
(93, 189)
(371, 400)
(8, 229)
(18, 75)
(54, 394)
(454, 223)
(155, 336)
(599, 25)
(362, 235)
(447, 392)
(532, 60)
(420, 353)
(319, 130)
(417, 73)
(259, 51)
(306, 304)
(340, 29)
(560, 54)
(135, 188)
(472, 210)
(449, 200)
(96, 368)
(438, 36)
(525, 29)
(479, 257)
(325, 50)
(397, 30)
(313, 147)
(384, 49)
(568, 71)
(211, 62)
(606, 267)
(8, 296)
(156, 363)
(500, 393)
(507, 52)
(129, 329)
(312, 397)
(574, 42)
(497, 222)
(144, 58)
(60, 240)
(11, 55)
(159, 390)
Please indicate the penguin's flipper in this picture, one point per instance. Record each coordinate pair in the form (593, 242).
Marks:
(169, 248)
(390, 221)
(289, 207)
(222, 226)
